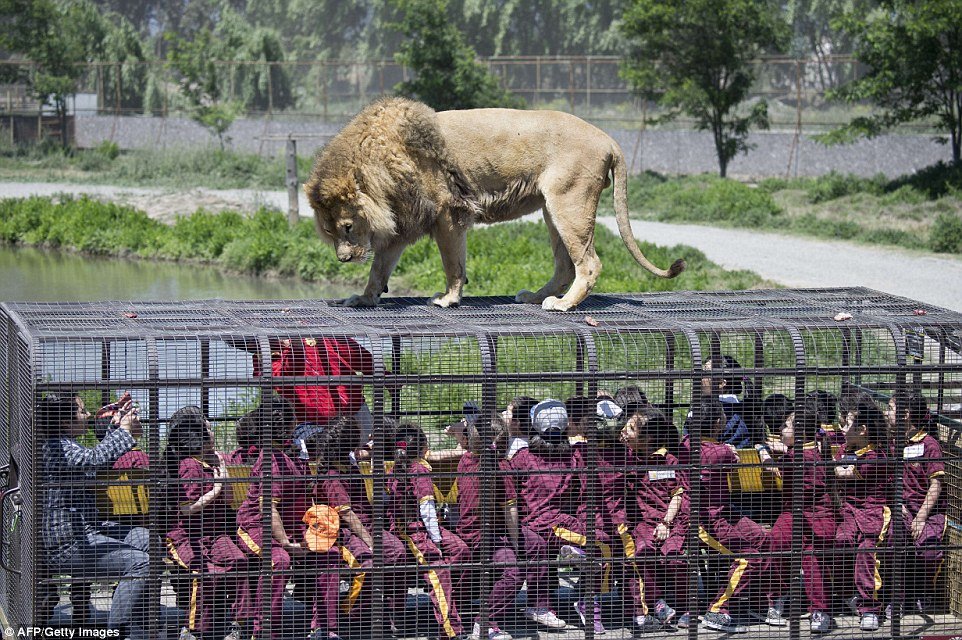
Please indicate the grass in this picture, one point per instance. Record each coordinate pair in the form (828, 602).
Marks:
(181, 168)
(920, 211)
(502, 258)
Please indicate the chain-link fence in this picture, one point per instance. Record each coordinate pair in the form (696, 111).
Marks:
(781, 463)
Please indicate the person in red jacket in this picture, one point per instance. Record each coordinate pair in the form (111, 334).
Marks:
(315, 404)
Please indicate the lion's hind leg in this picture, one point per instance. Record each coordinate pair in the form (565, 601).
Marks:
(575, 220)
(564, 270)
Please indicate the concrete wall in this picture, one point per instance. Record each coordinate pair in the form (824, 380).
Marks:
(670, 152)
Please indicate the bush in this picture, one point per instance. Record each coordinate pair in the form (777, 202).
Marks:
(946, 234)
(835, 185)
(108, 149)
(934, 181)
(706, 199)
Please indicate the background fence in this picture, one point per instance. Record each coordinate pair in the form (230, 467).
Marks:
(331, 91)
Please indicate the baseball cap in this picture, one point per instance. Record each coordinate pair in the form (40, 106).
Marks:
(471, 412)
(323, 525)
(549, 416)
(608, 410)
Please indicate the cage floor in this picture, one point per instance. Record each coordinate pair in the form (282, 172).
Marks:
(936, 625)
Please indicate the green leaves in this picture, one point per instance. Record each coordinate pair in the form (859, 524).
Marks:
(447, 74)
(694, 57)
(913, 51)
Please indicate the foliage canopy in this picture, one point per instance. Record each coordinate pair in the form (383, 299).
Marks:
(694, 57)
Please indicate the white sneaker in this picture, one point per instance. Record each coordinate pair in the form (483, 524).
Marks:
(869, 622)
(545, 617)
(475, 632)
(820, 622)
(498, 634)
(774, 615)
(571, 552)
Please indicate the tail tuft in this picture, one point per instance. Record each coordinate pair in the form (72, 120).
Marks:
(677, 267)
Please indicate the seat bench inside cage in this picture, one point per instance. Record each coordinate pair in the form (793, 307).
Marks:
(782, 463)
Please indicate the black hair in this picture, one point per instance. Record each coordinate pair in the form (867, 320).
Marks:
(918, 411)
(706, 417)
(630, 394)
(776, 407)
(410, 443)
(246, 432)
(867, 414)
(659, 430)
(807, 423)
(732, 378)
(337, 441)
(186, 437)
(826, 404)
(53, 411)
(521, 411)
(581, 410)
(270, 419)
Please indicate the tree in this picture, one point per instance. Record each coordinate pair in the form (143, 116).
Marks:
(203, 81)
(695, 57)
(913, 51)
(59, 39)
(447, 74)
(817, 36)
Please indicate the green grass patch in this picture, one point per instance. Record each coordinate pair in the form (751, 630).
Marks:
(107, 164)
(922, 211)
(501, 259)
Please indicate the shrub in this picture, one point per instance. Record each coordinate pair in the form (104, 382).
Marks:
(108, 149)
(709, 199)
(835, 185)
(946, 234)
(934, 181)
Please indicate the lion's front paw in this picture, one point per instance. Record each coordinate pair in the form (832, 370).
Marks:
(446, 300)
(528, 297)
(359, 301)
(552, 303)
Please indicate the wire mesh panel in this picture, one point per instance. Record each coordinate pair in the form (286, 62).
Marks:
(778, 463)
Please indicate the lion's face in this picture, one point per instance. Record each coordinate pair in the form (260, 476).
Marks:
(346, 227)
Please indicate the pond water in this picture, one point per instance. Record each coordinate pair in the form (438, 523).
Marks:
(35, 275)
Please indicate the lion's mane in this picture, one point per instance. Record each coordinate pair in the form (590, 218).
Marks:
(394, 153)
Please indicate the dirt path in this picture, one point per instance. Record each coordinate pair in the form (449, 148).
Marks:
(789, 260)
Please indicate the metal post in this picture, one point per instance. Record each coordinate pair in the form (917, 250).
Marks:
(293, 214)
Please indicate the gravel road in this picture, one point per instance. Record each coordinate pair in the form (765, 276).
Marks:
(788, 260)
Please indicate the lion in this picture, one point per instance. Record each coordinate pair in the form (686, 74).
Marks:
(399, 171)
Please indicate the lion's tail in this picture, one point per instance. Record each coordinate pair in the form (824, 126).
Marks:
(619, 172)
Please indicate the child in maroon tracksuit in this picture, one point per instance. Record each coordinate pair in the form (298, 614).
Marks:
(608, 488)
(201, 522)
(818, 519)
(470, 527)
(290, 499)
(922, 525)
(655, 490)
(414, 519)
(724, 531)
(344, 487)
(862, 482)
(540, 474)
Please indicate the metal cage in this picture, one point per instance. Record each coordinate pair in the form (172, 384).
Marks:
(371, 533)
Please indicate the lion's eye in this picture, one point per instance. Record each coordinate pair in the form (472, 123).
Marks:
(348, 227)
